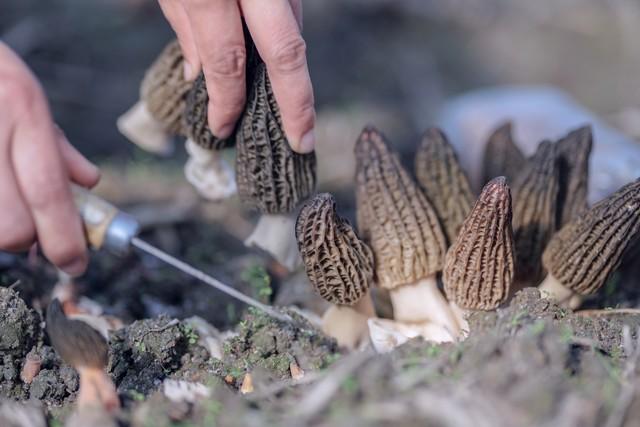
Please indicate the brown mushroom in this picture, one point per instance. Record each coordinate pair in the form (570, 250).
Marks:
(443, 181)
(534, 212)
(402, 228)
(271, 178)
(340, 268)
(479, 266)
(573, 155)
(158, 114)
(83, 346)
(583, 254)
(502, 157)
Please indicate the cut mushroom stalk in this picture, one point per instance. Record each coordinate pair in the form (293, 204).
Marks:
(479, 266)
(158, 115)
(86, 349)
(340, 268)
(404, 233)
(209, 173)
(583, 254)
(273, 234)
(271, 178)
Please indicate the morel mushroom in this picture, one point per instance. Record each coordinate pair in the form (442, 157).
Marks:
(84, 346)
(479, 266)
(402, 228)
(340, 268)
(502, 157)
(443, 181)
(270, 176)
(534, 212)
(158, 114)
(583, 254)
(573, 155)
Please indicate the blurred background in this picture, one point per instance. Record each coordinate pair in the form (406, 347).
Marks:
(384, 61)
(388, 62)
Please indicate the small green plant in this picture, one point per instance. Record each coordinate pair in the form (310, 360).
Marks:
(212, 412)
(191, 335)
(136, 395)
(260, 281)
(350, 385)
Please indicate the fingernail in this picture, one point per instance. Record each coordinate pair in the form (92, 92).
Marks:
(223, 132)
(76, 267)
(307, 142)
(188, 71)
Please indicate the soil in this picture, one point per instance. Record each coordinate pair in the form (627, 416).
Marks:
(531, 362)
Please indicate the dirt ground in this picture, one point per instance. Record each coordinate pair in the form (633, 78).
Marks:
(392, 63)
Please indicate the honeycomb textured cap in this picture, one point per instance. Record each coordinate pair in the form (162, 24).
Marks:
(573, 157)
(195, 119)
(271, 177)
(164, 88)
(502, 157)
(479, 266)
(535, 195)
(394, 216)
(587, 250)
(338, 263)
(443, 181)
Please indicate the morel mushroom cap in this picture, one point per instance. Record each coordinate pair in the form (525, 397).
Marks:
(573, 155)
(338, 263)
(79, 344)
(270, 176)
(583, 254)
(502, 157)
(479, 266)
(443, 181)
(394, 216)
(164, 88)
(195, 118)
(534, 211)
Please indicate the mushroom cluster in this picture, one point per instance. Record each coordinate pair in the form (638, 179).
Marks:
(440, 255)
(269, 177)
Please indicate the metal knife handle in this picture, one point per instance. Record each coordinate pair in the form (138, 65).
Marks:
(105, 225)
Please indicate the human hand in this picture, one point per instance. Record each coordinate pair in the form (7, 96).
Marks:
(211, 37)
(37, 165)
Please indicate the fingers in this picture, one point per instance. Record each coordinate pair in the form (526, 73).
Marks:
(276, 34)
(217, 30)
(17, 230)
(80, 170)
(179, 21)
(43, 181)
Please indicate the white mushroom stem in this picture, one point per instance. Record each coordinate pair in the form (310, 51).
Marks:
(461, 317)
(97, 389)
(139, 126)
(552, 287)
(388, 334)
(209, 173)
(422, 302)
(275, 234)
(348, 324)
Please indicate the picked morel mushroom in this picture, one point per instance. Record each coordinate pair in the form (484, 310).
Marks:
(340, 268)
(206, 170)
(502, 157)
(573, 153)
(534, 212)
(83, 345)
(271, 177)
(443, 181)
(403, 230)
(583, 254)
(158, 114)
(479, 266)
